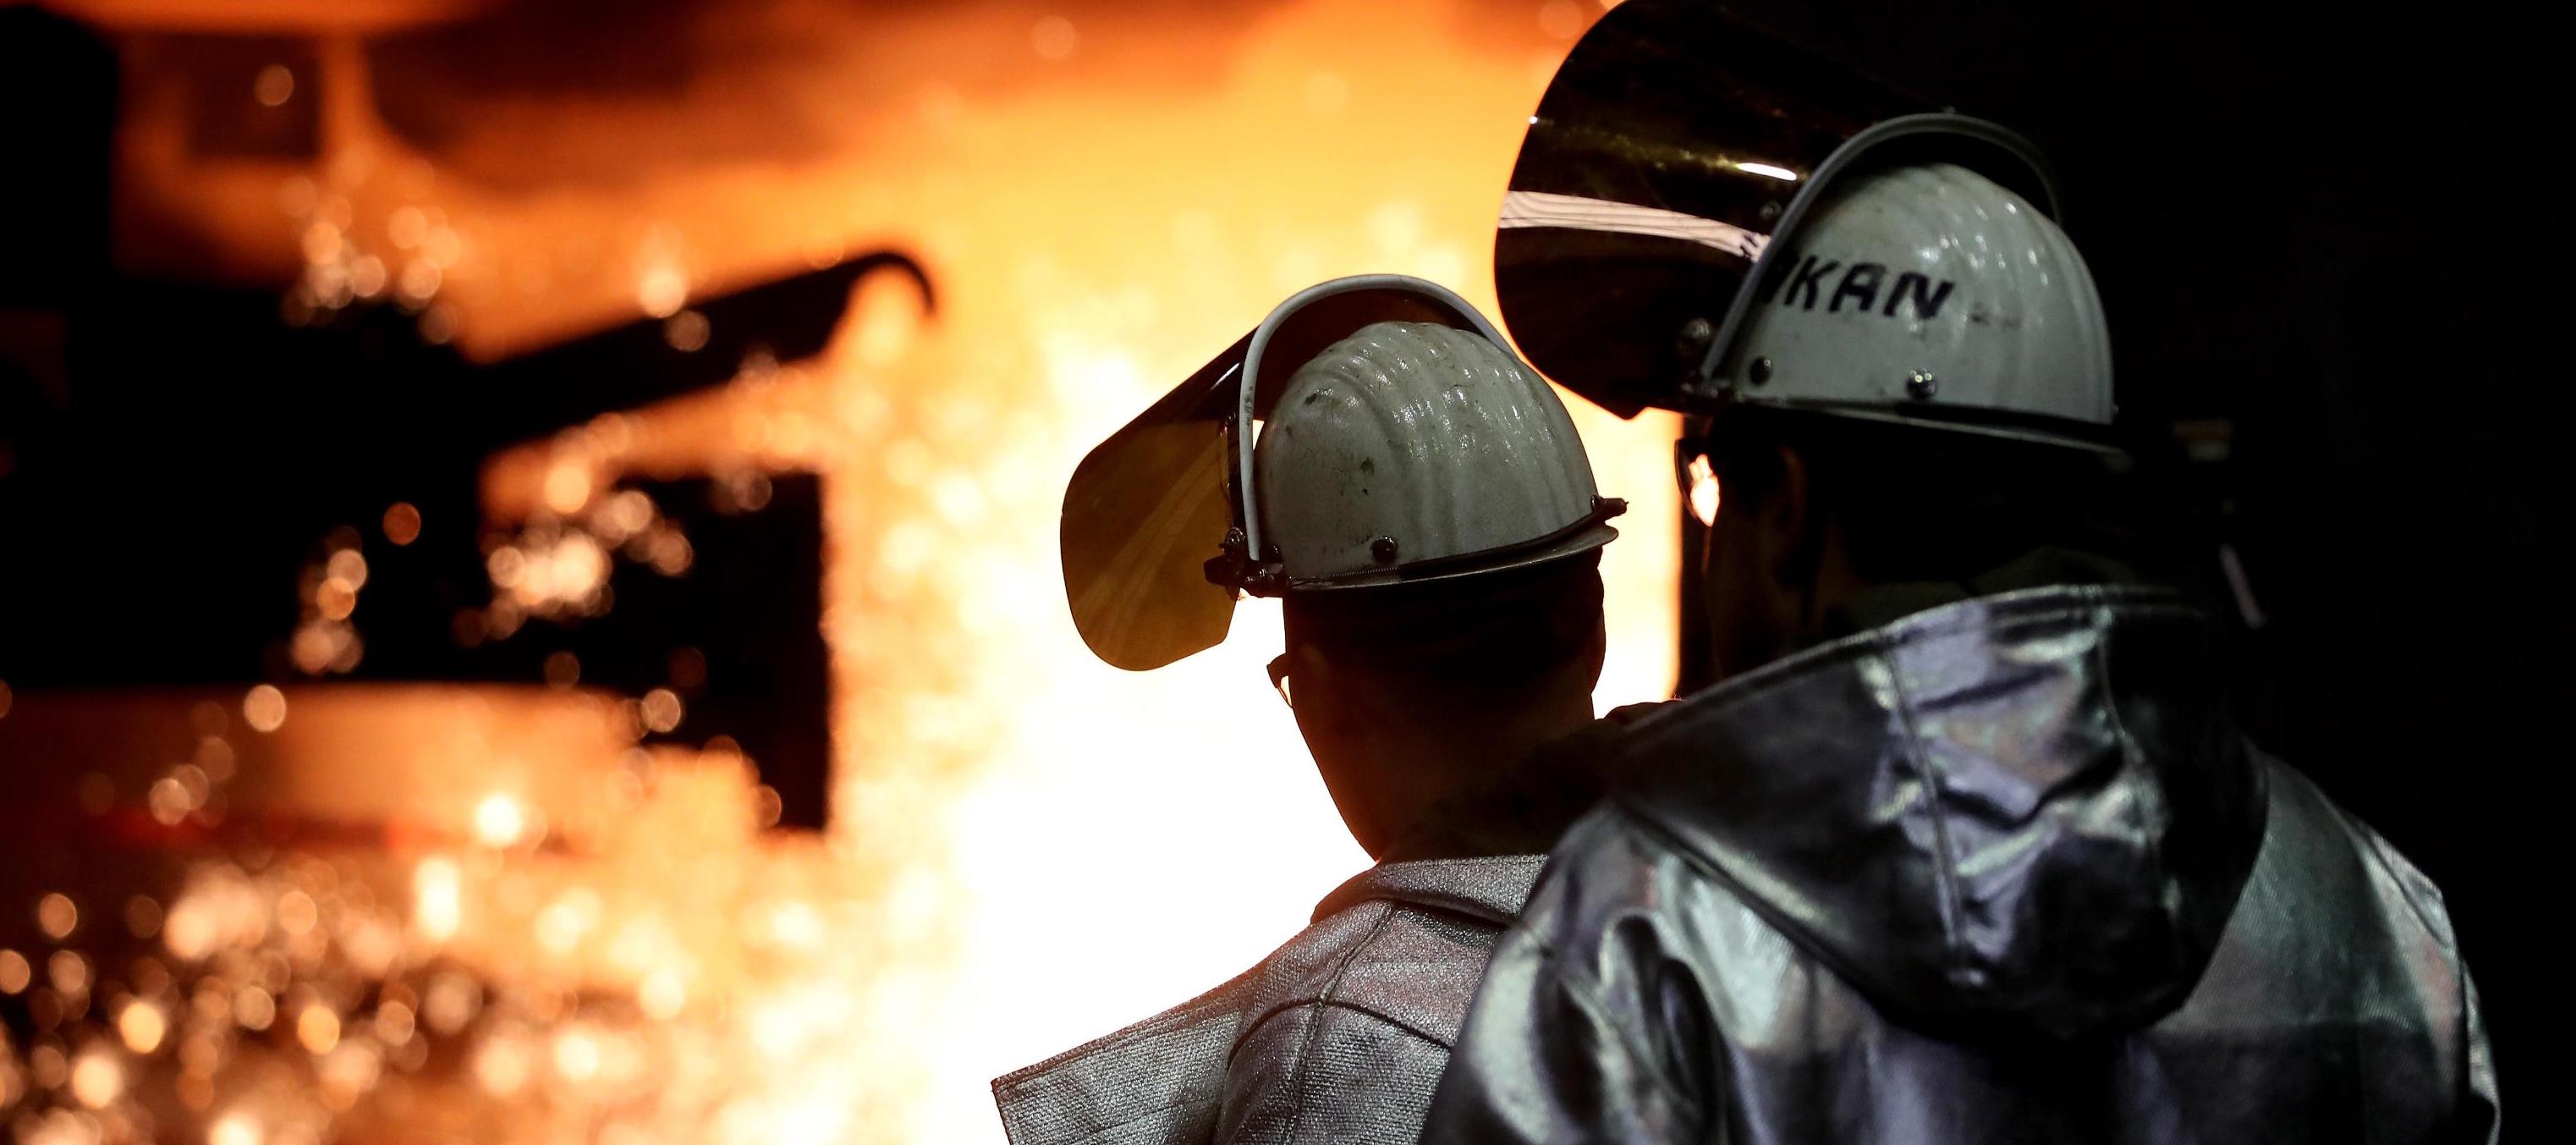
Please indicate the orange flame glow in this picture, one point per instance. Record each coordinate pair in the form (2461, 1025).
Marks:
(1029, 848)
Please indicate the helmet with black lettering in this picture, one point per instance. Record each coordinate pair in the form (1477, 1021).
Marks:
(1371, 431)
(1932, 293)
(1704, 215)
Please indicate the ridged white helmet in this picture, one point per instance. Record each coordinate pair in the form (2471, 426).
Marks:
(1413, 450)
(1396, 440)
(1932, 292)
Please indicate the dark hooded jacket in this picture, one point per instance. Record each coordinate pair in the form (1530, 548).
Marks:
(2001, 871)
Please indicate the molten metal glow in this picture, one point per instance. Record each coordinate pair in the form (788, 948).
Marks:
(97, 1077)
(999, 792)
(264, 708)
(56, 915)
(233, 1129)
(1146, 189)
(499, 820)
(1704, 491)
(142, 1025)
(318, 1028)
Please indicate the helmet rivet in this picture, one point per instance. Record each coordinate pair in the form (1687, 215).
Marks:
(1919, 385)
(1759, 372)
(1695, 337)
(1383, 549)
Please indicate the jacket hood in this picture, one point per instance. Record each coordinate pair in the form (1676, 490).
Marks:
(2018, 815)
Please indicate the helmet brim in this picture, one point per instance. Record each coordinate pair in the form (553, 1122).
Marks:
(1591, 536)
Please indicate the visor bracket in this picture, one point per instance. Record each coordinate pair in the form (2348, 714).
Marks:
(1233, 570)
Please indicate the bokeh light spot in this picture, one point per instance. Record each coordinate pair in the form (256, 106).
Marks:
(1053, 37)
(274, 85)
(56, 915)
(264, 708)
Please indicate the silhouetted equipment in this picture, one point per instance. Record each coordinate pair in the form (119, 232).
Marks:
(627, 366)
(202, 448)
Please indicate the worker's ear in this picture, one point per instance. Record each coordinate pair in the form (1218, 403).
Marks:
(1311, 673)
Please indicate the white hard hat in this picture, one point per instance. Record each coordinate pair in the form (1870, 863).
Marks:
(1397, 441)
(1927, 291)
(1683, 166)
(1414, 450)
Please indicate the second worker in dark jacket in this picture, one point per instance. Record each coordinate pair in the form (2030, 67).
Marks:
(1963, 846)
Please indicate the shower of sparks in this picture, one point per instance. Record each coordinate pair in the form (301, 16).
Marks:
(556, 939)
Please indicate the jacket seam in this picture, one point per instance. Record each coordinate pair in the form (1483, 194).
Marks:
(2131, 755)
(1253, 1020)
(1353, 1007)
(1455, 911)
(1945, 877)
(1458, 906)
(1297, 1074)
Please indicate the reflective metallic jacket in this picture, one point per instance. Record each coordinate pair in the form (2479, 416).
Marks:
(1999, 872)
(1338, 1036)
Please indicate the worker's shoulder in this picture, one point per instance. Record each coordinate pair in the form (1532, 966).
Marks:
(2319, 861)
(1168, 1069)
(1392, 954)
(1402, 944)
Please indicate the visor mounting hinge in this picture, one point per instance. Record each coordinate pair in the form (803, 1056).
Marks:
(1235, 571)
(1692, 342)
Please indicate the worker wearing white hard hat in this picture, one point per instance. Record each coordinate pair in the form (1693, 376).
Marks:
(1962, 844)
(1375, 456)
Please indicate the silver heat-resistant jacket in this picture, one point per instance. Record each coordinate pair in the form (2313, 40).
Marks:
(2000, 872)
(1338, 1036)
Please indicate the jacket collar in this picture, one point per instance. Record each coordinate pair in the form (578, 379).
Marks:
(1488, 888)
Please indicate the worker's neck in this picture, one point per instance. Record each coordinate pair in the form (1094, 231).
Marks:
(1476, 785)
